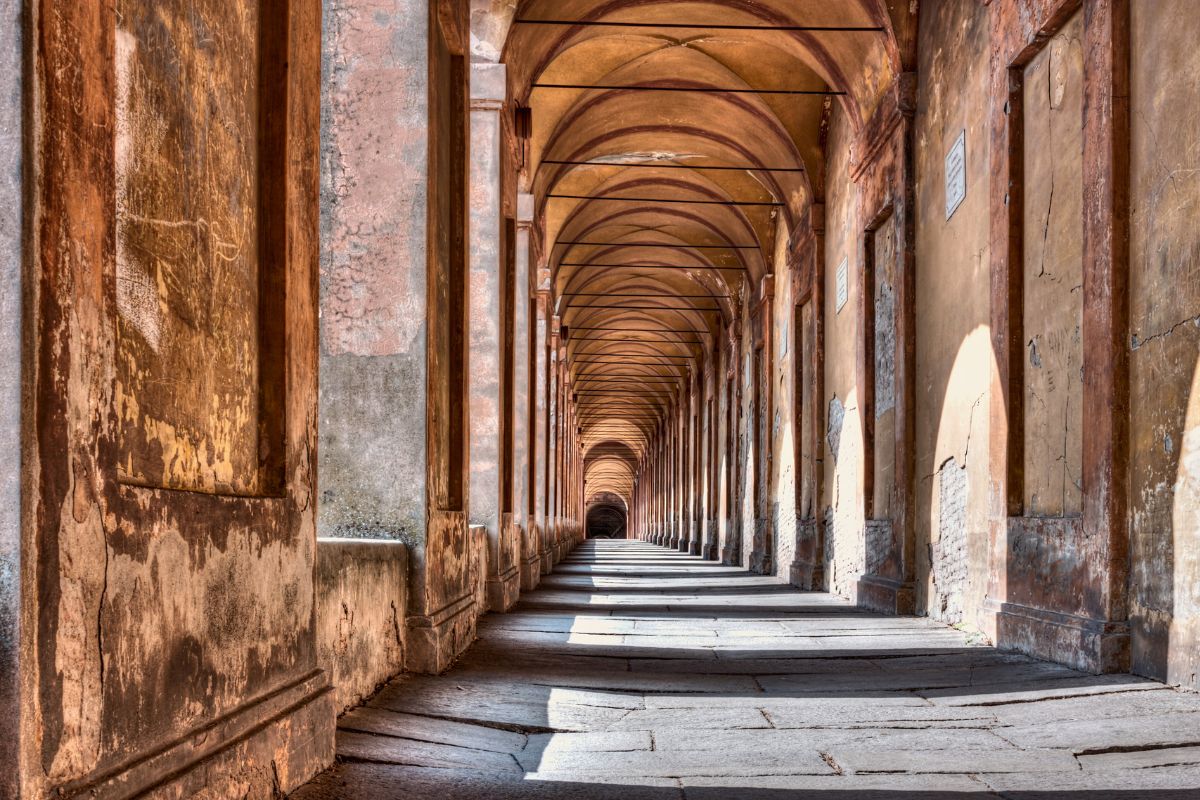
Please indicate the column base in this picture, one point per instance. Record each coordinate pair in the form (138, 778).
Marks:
(504, 590)
(886, 596)
(762, 560)
(807, 575)
(436, 640)
(531, 574)
(1090, 645)
(711, 552)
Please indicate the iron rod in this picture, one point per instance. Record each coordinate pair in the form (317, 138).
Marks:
(662, 244)
(643, 308)
(772, 203)
(711, 26)
(692, 89)
(650, 266)
(730, 168)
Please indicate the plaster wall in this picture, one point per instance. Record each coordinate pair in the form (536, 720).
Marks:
(374, 205)
(1164, 341)
(362, 594)
(11, 252)
(953, 348)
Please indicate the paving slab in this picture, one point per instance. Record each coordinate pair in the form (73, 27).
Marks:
(639, 673)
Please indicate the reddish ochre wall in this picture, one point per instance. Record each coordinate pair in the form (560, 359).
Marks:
(953, 352)
(1164, 340)
(170, 468)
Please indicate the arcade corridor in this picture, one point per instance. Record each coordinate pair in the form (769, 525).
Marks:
(571, 398)
(636, 672)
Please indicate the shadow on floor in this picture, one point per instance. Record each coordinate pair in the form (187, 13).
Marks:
(748, 689)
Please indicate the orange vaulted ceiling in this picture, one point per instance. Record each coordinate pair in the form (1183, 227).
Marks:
(672, 143)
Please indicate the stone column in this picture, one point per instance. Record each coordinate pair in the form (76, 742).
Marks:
(679, 479)
(488, 89)
(524, 330)
(687, 434)
(731, 552)
(394, 309)
(699, 456)
(550, 534)
(540, 421)
(762, 552)
(566, 440)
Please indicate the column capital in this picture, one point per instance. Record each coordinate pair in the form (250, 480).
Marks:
(525, 207)
(489, 86)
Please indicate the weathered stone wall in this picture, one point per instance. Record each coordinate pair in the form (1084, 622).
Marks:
(374, 158)
(1164, 341)
(362, 594)
(843, 493)
(1053, 275)
(190, 221)
(172, 592)
(953, 351)
(11, 222)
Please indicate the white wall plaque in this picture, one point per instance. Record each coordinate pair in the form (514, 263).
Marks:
(843, 290)
(956, 174)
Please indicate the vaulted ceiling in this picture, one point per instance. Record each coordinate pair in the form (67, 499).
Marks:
(673, 143)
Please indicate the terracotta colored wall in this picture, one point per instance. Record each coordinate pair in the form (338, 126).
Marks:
(1053, 275)
(1164, 298)
(190, 232)
(953, 350)
(155, 612)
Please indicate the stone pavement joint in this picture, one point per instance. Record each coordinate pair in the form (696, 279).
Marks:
(634, 671)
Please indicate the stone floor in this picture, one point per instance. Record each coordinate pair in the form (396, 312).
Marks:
(639, 672)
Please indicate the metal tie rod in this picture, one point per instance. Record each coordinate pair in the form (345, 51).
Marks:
(712, 26)
(663, 244)
(728, 168)
(773, 203)
(691, 89)
(649, 266)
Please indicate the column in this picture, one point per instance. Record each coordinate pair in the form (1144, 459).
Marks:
(524, 329)
(486, 380)
(550, 534)
(541, 420)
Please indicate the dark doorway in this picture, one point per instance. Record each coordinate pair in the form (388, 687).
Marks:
(606, 519)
